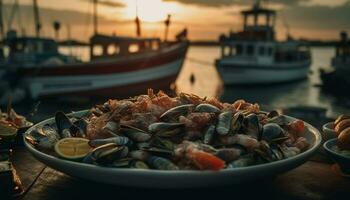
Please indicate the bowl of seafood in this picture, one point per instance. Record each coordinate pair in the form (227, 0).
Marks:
(158, 141)
(339, 147)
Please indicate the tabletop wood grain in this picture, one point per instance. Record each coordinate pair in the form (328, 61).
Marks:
(312, 180)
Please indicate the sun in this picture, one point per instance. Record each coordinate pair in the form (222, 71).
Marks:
(149, 10)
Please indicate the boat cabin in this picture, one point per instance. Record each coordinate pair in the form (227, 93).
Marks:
(342, 52)
(103, 46)
(257, 44)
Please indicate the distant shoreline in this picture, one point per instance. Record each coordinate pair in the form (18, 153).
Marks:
(208, 43)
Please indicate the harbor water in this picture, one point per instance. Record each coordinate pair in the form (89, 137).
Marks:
(199, 76)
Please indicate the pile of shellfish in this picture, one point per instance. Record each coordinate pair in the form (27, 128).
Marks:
(185, 132)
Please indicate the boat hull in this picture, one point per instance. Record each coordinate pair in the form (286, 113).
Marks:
(110, 78)
(238, 74)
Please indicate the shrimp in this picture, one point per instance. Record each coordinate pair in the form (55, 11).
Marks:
(195, 122)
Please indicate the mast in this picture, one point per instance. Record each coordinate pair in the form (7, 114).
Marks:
(36, 18)
(95, 17)
(137, 21)
(167, 24)
(1, 21)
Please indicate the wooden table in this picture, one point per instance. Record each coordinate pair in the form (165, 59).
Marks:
(312, 180)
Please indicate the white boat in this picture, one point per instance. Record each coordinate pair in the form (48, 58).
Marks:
(254, 56)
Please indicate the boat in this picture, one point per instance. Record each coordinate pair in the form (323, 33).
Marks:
(336, 79)
(254, 56)
(119, 66)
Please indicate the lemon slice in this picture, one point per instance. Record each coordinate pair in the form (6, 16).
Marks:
(7, 131)
(72, 148)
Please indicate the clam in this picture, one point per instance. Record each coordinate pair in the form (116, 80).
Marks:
(207, 108)
(341, 118)
(224, 123)
(343, 140)
(342, 125)
(174, 113)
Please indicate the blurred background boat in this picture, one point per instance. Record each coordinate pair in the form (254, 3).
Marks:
(118, 66)
(254, 56)
(336, 80)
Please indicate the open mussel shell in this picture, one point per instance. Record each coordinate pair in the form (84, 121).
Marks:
(224, 123)
(108, 153)
(173, 114)
(44, 137)
(159, 152)
(135, 134)
(164, 129)
(251, 126)
(237, 122)
(63, 124)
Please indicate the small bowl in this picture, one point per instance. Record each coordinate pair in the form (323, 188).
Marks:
(328, 131)
(341, 160)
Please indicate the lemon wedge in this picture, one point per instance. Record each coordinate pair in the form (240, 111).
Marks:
(72, 148)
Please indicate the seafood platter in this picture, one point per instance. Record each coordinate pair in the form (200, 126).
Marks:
(11, 124)
(154, 140)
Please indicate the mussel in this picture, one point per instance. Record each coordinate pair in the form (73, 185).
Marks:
(63, 124)
(224, 123)
(44, 137)
(207, 108)
(108, 153)
(173, 114)
(164, 129)
(271, 131)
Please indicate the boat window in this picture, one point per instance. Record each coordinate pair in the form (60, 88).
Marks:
(239, 49)
(233, 51)
(155, 45)
(250, 50)
(19, 47)
(113, 49)
(261, 50)
(269, 51)
(133, 48)
(97, 50)
(226, 51)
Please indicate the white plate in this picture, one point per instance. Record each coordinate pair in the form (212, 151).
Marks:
(174, 179)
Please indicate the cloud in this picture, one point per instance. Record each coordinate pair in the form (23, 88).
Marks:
(318, 16)
(220, 3)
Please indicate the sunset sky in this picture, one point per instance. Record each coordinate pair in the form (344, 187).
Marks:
(205, 19)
